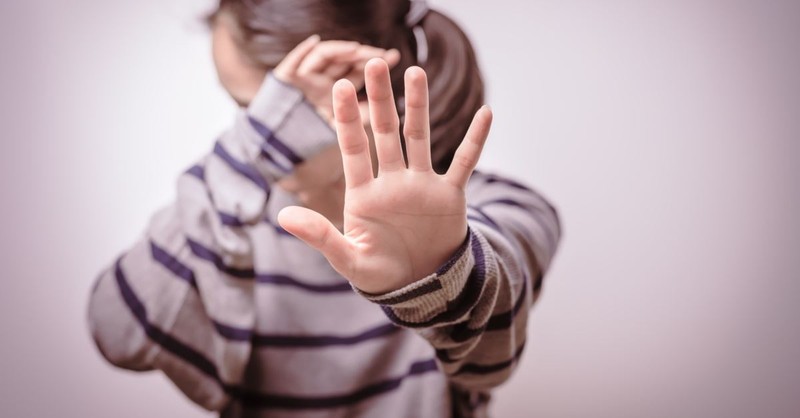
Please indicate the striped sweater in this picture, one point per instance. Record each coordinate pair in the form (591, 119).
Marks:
(247, 320)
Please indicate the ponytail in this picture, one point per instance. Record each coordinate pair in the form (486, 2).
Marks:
(268, 29)
(455, 86)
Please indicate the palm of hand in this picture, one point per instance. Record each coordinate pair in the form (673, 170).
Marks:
(403, 224)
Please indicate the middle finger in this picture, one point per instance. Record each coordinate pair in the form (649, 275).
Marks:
(383, 116)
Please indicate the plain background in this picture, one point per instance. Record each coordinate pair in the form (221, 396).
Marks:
(666, 132)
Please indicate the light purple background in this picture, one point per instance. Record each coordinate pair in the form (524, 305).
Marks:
(667, 133)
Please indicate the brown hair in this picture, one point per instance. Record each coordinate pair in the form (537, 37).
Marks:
(268, 29)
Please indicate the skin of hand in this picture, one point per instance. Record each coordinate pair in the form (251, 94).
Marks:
(313, 67)
(403, 224)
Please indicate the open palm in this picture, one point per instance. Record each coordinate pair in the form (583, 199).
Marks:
(402, 224)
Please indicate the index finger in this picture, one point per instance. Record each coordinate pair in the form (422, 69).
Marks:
(291, 62)
(326, 52)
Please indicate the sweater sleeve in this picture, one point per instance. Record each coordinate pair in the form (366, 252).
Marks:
(181, 298)
(474, 309)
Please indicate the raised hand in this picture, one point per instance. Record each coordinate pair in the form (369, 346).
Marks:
(404, 223)
(313, 66)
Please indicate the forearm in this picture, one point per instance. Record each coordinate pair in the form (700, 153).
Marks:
(168, 303)
(276, 134)
(158, 307)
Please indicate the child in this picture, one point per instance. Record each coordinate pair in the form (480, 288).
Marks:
(407, 292)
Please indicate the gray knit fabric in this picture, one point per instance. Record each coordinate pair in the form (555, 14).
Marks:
(247, 320)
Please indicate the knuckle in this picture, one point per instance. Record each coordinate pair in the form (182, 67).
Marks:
(387, 126)
(415, 133)
(464, 161)
(352, 148)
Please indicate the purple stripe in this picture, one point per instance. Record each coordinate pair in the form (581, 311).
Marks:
(423, 290)
(284, 169)
(244, 169)
(234, 222)
(273, 141)
(504, 320)
(485, 219)
(207, 254)
(294, 341)
(474, 368)
(269, 401)
(462, 332)
(204, 253)
(155, 333)
(279, 229)
(230, 220)
(512, 202)
(551, 235)
(283, 280)
(537, 285)
(444, 356)
(232, 333)
(465, 300)
(172, 264)
(250, 398)
(226, 219)
(305, 341)
(240, 334)
(491, 178)
(457, 256)
(197, 171)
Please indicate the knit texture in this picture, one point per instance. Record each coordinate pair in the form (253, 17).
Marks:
(247, 320)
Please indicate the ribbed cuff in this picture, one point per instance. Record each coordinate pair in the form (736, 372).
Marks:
(422, 302)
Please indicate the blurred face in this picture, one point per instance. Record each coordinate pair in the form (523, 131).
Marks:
(240, 77)
(319, 182)
(237, 74)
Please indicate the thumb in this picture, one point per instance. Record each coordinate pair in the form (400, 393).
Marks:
(319, 233)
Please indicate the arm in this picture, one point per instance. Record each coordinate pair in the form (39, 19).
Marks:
(407, 243)
(171, 301)
(474, 309)
(165, 303)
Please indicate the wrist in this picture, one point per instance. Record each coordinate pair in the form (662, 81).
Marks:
(412, 286)
(444, 297)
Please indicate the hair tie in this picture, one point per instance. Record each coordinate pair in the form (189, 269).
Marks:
(417, 11)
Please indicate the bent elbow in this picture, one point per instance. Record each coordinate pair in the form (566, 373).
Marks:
(121, 340)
